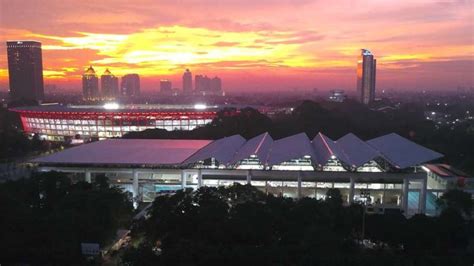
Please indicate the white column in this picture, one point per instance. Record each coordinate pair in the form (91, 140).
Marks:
(249, 177)
(183, 179)
(87, 176)
(351, 190)
(299, 185)
(422, 201)
(383, 194)
(406, 187)
(199, 178)
(135, 189)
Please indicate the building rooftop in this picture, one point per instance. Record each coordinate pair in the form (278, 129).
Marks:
(117, 108)
(397, 151)
(446, 171)
(128, 152)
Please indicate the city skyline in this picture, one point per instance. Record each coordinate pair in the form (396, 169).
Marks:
(312, 44)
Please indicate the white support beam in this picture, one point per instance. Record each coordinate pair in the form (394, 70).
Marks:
(299, 194)
(422, 201)
(135, 189)
(183, 179)
(199, 178)
(405, 189)
(351, 191)
(88, 176)
(249, 177)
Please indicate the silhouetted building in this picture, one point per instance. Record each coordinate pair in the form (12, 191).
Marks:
(202, 83)
(366, 66)
(108, 85)
(90, 85)
(165, 86)
(187, 82)
(130, 86)
(207, 86)
(216, 85)
(25, 70)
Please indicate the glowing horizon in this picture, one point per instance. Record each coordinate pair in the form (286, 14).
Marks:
(249, 44)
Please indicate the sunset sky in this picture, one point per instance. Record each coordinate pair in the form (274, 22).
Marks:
(250, 44)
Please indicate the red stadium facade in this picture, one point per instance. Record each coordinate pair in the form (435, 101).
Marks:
(55, 122)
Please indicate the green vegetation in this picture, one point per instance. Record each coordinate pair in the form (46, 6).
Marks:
(240, 225)
(45, 218)
(13, 141)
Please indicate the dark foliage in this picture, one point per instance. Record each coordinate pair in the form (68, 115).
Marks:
(13, 141)
(45, 218)
(240, 225)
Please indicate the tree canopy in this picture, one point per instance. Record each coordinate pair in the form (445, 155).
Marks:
(44, 219)
(240, 225)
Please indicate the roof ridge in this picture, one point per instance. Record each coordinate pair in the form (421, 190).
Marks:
(261, 142)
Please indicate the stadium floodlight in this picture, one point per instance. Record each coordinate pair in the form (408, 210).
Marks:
(200, 106)
(111, 106)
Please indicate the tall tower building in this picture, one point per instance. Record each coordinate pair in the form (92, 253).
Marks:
(130, 85)
(187, 82)
(108, 85)
(202, 83)
(90, 85)
(216, 85)
(25, 70)
(366, 77)
(165, 86)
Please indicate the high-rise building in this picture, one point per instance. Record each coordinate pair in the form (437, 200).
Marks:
(216, 85)
(207, 86)
(366, 77)
(187, 82)
(130, 85)
(108, 85)
(202, 83)
(90, 85)
(165, 86)
(25, 70)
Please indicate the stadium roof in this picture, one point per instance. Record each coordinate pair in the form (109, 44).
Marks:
(401, 152)
(289, 148)
(128, 151)
(396, 150)
(222, 150)
(134, 108)
(128, 108)
(258, 146)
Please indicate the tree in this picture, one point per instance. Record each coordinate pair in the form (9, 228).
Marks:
(334, 197)
(45, 218)
(458, 200)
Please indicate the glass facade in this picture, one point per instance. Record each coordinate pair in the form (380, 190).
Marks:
(108, 125)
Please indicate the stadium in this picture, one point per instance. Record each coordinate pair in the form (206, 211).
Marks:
(56, 122)
(388, 172)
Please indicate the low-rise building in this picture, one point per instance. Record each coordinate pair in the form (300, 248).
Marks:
(387, 172)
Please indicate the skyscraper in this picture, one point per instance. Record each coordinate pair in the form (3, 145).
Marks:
(108, 85)
(187, 82)
(90, 85)
(25, 70)
(366, 77)
(130, 85)
(202, 83)
(216, 85)
(165, 86)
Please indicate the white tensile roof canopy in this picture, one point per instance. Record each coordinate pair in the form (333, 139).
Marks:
(398, 151)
